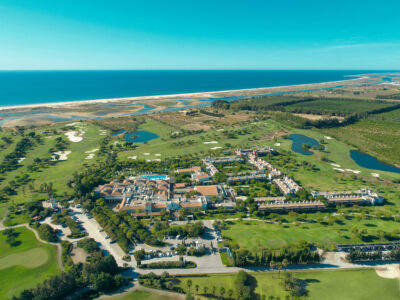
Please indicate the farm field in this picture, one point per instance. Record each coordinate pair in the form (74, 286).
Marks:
(340, 107)
(254, 235)
(344, 285)
(25, 264)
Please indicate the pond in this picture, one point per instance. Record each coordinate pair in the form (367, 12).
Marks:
(370, 162)
(299, 139)
(140, 136)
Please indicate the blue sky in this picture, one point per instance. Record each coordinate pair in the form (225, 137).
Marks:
(218, 34)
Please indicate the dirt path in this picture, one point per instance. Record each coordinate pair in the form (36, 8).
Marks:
(3, 219)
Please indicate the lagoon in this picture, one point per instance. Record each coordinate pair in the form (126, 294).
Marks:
(299, 139)
(140, 136)
(368, 161)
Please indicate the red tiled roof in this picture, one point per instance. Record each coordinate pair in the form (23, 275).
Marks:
(207, 190)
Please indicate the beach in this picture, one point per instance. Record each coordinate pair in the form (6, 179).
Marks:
(42, 113)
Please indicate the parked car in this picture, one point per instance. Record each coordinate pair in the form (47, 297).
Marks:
(101, 230)
(107, 237)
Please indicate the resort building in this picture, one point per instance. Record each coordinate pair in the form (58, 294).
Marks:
(211, 191)
(283, 207)
(358, 197)
(142, 188)
(263, 166)
(188, 170)
(247, 177)
(201, 177)
(287, 185)
(263, 200)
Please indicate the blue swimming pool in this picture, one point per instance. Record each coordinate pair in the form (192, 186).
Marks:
(155, 177)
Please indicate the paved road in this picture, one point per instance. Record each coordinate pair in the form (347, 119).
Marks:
(93, 229)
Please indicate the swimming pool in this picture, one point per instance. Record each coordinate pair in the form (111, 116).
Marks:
(155, 176)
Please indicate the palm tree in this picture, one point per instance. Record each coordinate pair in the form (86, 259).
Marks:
(230, 293)
(197, 288)
(205, 289)
(285, 263)
(214, 289)
(189, 284)
(279, 265)
(222, 291)
(272, 266)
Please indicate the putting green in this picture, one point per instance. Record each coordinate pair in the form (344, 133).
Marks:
(31, 259)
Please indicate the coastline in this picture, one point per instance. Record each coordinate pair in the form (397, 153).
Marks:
(210, 94)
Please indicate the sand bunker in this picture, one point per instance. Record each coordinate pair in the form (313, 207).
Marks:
(215, 148)
(146, 153)
(73, 137)
(327, 137)
(90, 156)
(353, 171)
(338, 169)
(157, 154)
(62, 155)
(156, 159)
(389, 271)
(132, 157)
(102, 132)
(212, 142)
(277, 144)
(20, 160)
(92, 151)
(336, 165)
(220, 129)
(376, 175)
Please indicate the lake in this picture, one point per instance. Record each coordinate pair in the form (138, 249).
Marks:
(299, 139)
(368, 161)
(140, 136)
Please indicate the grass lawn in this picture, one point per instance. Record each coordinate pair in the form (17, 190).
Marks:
(349, 285)
(343, 285)
(254, 235)
(142, 295)
(25, 264)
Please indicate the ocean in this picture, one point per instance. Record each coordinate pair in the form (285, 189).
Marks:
(33, 87)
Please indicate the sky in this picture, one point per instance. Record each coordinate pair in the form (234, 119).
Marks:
(217, 34)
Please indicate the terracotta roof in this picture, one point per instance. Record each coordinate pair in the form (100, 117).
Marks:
(146, 214)
(134, 207)
(207, 190)
(160, 206)
(180, 185)
(188, 170)
(190, 204)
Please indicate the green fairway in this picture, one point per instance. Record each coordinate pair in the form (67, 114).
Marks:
(335, 285)
(349, 285)
(254, 235)
(57, 173)
(25, 264)
(142, 295)
(209, 141)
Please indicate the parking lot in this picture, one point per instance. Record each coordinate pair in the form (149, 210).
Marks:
(95, 231)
